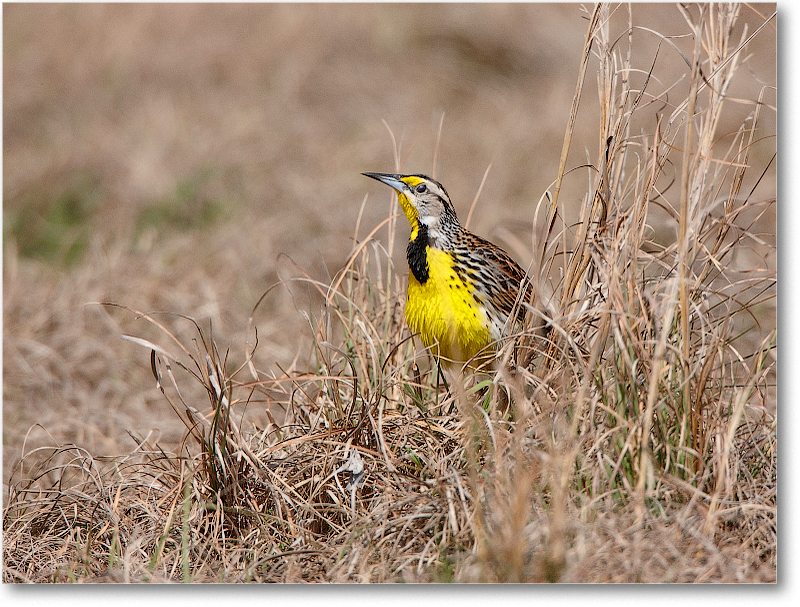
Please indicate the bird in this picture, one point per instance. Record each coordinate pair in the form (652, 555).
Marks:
(462, 289)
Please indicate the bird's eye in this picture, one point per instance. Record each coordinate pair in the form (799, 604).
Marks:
(422, 188)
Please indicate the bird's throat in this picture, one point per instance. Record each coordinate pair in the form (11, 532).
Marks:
(409, 210)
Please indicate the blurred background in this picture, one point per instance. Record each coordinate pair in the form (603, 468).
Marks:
(185, 158)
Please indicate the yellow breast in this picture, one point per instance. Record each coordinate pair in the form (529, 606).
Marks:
(444, 312)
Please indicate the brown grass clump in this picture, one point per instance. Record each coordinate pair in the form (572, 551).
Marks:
(635, 442)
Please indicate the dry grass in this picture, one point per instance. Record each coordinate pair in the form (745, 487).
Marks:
(636, 442)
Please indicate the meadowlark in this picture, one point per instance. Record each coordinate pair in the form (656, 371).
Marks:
(462, 289)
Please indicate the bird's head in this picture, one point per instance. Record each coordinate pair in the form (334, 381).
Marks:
(424, 201)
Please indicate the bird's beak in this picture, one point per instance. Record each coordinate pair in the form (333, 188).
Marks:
(389, 179)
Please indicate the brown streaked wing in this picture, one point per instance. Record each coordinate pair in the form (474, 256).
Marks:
(501, 269)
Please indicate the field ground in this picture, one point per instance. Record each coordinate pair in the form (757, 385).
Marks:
(184, 160)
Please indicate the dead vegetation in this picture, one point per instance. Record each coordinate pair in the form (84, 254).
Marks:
(637, 443)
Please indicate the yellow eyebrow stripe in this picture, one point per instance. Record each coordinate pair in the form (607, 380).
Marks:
(412, 181)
